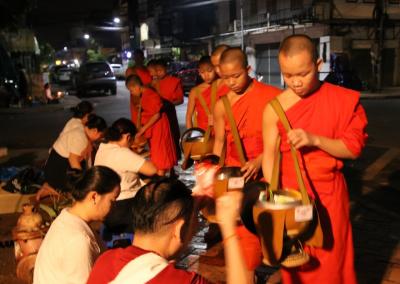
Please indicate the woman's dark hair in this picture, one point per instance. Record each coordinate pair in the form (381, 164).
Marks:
(135, 79)
(82, 109)
(97, 122)
(120, 127)
(161, 203)
(100, 179)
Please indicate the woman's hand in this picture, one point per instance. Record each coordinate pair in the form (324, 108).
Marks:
(227, 211)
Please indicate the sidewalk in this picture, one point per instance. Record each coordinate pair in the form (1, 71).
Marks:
(386, 93)
(65, 103)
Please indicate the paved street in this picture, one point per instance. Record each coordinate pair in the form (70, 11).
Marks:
(374, 184)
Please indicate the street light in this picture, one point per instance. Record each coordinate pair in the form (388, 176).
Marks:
(117, 20)
(86, 36)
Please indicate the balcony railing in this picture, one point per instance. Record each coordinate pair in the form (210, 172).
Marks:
(285, 16)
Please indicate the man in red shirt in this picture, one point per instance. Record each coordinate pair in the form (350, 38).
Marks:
(163, 216)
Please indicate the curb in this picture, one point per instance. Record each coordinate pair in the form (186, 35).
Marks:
(65, 103)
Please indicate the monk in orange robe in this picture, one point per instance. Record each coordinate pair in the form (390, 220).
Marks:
(139, 69)
(154, 124)
(222, 89)
(247, 98)
(170, 90)
(328, 124)
(197, 114)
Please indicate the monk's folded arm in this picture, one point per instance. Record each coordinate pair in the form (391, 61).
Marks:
(334, 147)
(219, 128)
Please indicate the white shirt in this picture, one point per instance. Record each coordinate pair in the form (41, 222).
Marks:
(67, 253)
(71, 124)
(123, 161)
(73, 141)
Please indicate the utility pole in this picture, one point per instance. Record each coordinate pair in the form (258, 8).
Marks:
(241, 25)
(379, 15)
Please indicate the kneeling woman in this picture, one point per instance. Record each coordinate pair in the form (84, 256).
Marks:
(70, 249)
(117, 155)
(69, 150)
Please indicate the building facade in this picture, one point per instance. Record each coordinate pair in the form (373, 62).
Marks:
(364, 32)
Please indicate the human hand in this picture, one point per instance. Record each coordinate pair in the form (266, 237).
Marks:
(227, 211)
(138, 135)
(45, 191)
(251, 169)
(300, 138)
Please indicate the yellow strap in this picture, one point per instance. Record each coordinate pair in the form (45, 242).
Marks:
(285, 122)
(206, 109)
(274, 184)
(202, 101)
(235, 133)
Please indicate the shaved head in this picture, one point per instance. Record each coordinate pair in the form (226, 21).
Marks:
(234, 54)
(295, 44)
(216, 56)
(219, 49)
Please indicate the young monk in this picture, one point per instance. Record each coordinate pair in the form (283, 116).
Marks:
(151, 67)
(170, 90)
(154, 124)
(247, 99)
(328, 125)
(202, 108)
(222, 89)
(139, 68)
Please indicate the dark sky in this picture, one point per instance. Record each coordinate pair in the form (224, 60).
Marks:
(52, 20)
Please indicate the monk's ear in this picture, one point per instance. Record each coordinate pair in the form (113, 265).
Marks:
(319, 64)
(248, 68)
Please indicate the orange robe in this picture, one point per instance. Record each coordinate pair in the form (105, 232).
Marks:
(202, 117)
(162, 149)
(170, 89)
(333, 112)
(222, 90)
(142, 72)
(247, 112)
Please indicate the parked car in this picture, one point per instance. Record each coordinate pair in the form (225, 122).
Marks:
(189, 76)
(96, 76)
(61, 74)
(119, 70)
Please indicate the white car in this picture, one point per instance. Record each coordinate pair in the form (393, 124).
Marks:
(119, 70)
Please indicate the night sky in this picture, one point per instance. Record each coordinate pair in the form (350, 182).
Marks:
(52, 20)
